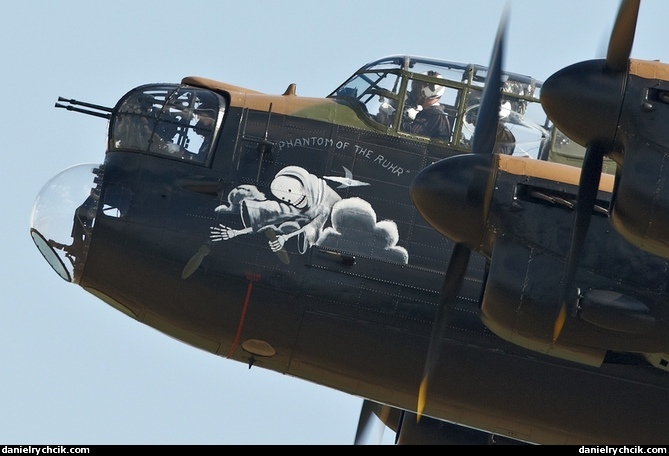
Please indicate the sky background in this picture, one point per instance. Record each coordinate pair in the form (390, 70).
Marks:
(75, 371)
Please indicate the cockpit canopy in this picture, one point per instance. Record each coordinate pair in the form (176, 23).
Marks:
(389, 86)
(169, 120)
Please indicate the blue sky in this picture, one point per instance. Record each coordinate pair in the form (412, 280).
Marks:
(74, 370)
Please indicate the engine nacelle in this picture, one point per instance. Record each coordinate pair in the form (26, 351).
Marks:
(511, 308)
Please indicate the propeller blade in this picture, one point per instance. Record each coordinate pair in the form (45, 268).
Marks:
(565, 97)
(622, 36)
(368, 421)
(483, 142)
(585, 202)
(455, 274)
(364, 422)
(584, 100)
(487, 119)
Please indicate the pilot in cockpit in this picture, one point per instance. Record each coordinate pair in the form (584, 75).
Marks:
(388, 107)
(423, 114)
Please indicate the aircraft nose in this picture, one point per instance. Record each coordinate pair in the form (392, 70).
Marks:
(584, 101)
(453, 196)
(61, 221)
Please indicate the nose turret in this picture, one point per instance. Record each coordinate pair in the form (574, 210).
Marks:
(61, 221)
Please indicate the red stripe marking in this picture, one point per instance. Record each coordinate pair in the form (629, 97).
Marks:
(251, 278)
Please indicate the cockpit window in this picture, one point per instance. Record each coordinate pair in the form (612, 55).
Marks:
(430, 109)
(372, 90)
(523, 128)
(173, 121)
(439, 100)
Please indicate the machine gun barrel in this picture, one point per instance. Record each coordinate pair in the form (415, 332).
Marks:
(85, 111)
(94, 111)
(82, 103)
